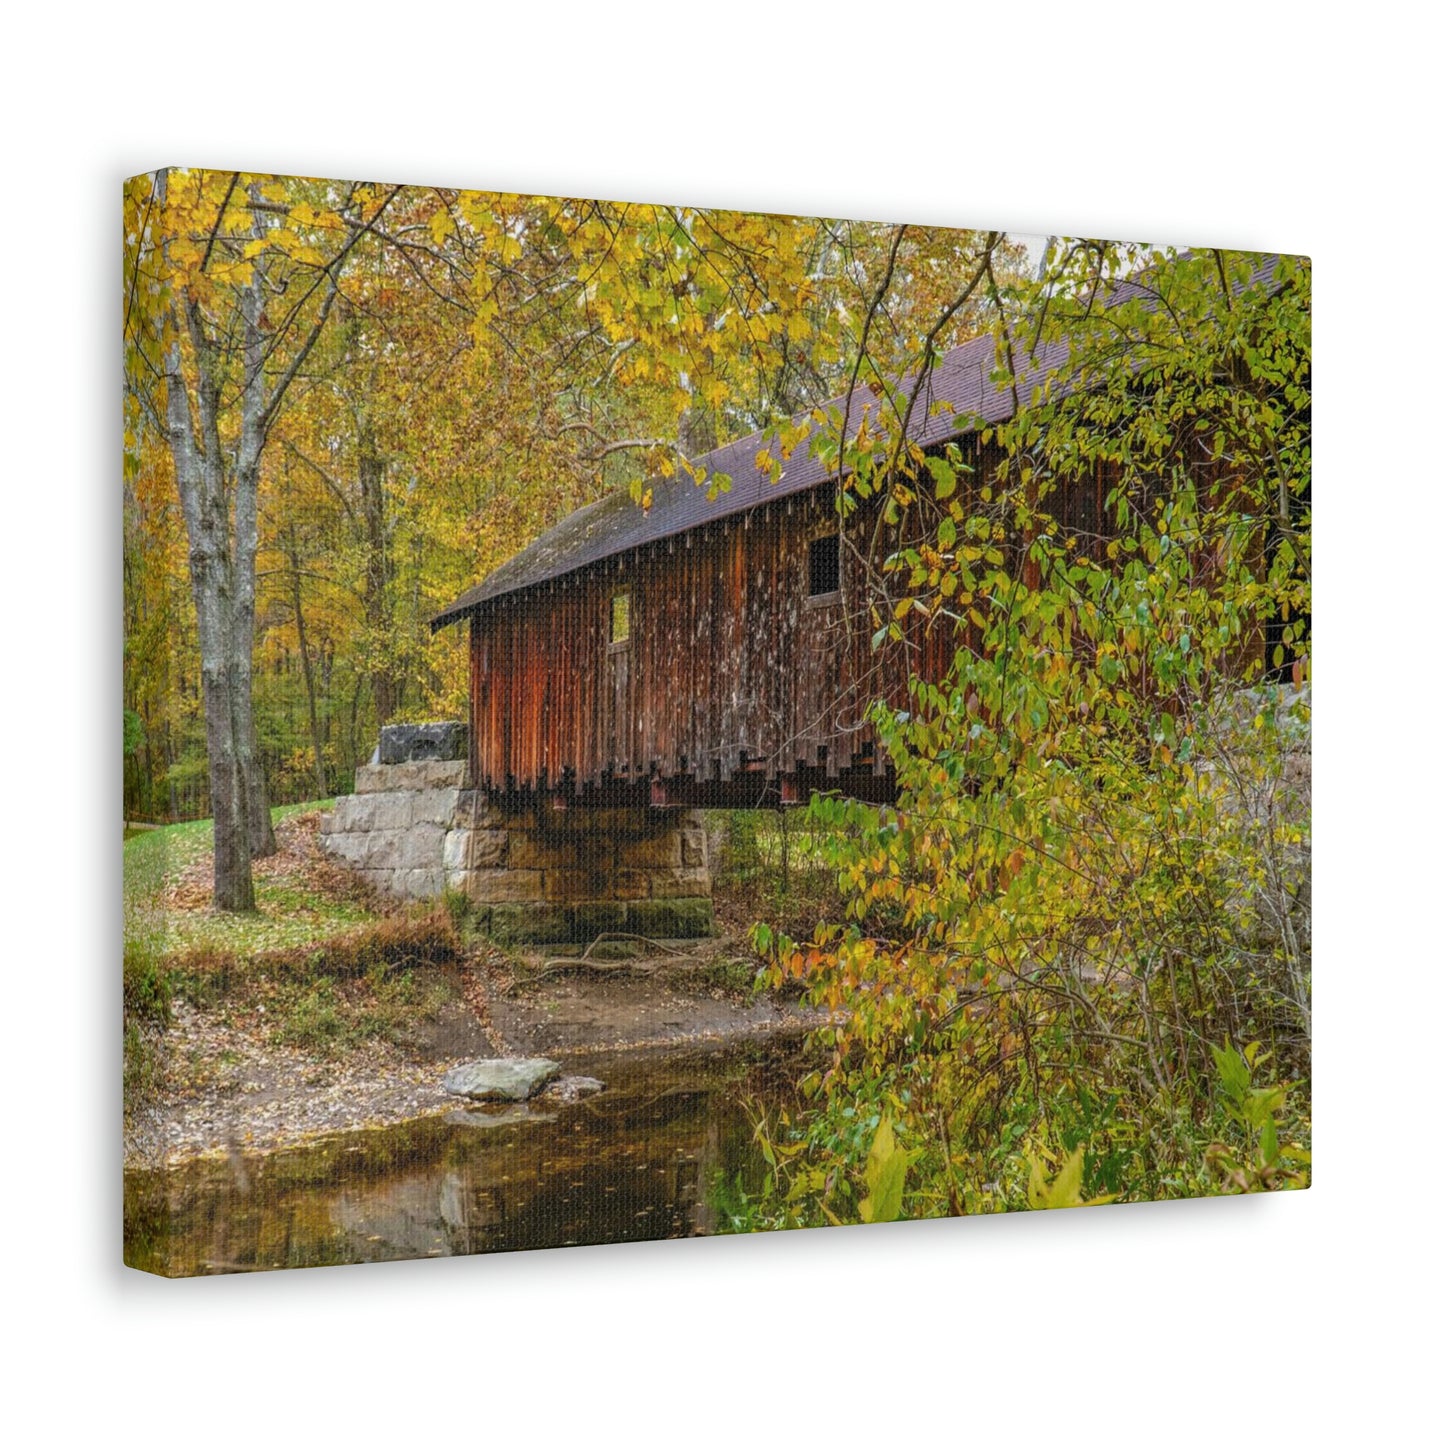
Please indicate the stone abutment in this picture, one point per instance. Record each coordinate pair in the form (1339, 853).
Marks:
(533, 875)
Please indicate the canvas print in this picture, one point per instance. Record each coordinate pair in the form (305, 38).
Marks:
(645, 721)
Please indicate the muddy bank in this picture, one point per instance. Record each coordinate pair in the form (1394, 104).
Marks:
(572, 1014)
(229, 1087)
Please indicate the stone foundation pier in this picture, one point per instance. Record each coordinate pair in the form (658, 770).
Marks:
(553, 877)
(533, 875)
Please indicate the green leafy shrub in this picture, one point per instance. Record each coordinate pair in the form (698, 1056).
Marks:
(146, 984)
(1096, 874)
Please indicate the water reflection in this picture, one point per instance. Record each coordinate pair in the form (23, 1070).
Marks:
(635, 1162)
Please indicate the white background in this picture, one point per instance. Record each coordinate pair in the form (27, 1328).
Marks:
(1257, 126)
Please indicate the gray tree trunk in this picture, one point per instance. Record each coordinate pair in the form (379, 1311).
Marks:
(222, 556)
(248, 482)
(203, 505)
(218, 493)
(317, 742)
(371, 474)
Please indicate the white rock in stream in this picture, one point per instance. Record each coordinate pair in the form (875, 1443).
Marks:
(513, 1079)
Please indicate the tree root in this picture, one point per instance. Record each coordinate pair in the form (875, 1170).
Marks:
(671, 960)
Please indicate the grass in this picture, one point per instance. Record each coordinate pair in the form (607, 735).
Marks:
(284, 918)
(387, 946)
(290, 912)
(316, 959)
(145, 982)
(326, 1015)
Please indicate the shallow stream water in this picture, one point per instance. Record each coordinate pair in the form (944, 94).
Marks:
(649, 1158)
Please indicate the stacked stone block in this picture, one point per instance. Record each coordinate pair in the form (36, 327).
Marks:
(553, 876)
(532, 875)
(393, 829)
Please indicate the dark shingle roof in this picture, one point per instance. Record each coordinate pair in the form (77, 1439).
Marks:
(957, 396)
(617, 523)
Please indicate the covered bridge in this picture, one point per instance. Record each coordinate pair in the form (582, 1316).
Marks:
(633, 665)
(709, 651)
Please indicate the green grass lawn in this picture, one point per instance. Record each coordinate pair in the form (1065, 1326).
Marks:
(320, 970)
(288, 911)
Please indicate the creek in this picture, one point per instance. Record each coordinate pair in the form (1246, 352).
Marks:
(654, 1156)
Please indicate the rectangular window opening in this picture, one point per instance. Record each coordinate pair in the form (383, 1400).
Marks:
(621, 629)
(823, 565)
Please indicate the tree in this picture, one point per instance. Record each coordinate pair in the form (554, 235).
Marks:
(230, 282)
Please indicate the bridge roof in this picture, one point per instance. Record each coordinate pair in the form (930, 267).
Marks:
(958, 396)
(955, 397)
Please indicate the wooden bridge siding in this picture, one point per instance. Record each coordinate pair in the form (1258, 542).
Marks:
(727, 659)
(724, 660)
